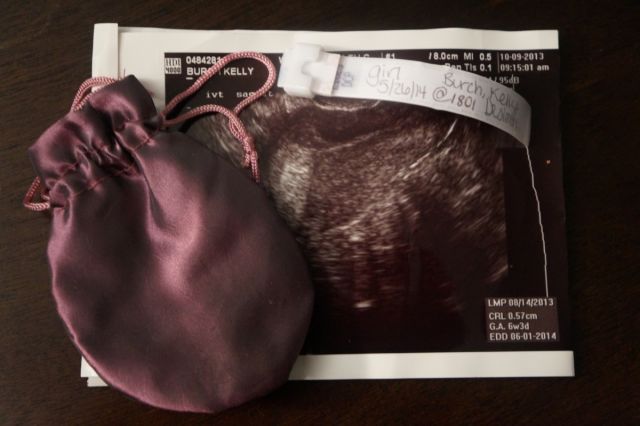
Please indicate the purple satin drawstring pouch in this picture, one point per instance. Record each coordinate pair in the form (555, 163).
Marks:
(172, 272)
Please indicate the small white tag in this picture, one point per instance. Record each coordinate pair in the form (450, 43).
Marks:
(434, 86)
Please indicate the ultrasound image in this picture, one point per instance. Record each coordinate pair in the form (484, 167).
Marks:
(399, 210)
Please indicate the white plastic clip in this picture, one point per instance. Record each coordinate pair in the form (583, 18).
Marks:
(307, 70)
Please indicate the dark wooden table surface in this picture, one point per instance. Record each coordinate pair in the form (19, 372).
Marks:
(46, 52)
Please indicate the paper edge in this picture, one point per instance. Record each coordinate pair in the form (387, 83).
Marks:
(428, 365)
(439, 38)
(104, 60)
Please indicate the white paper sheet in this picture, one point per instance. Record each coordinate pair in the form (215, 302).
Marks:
(120, 51)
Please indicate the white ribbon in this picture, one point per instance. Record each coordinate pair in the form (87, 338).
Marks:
(307, 70)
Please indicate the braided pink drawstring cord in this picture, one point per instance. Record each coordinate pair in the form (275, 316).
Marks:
(235, 125)
(84, 90)
(31, 193)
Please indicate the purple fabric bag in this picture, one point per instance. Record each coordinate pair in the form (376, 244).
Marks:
(174, 275)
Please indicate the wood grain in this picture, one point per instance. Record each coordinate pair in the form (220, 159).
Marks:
(45, 51)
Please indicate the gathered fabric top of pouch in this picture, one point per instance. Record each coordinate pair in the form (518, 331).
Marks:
(86, 145)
